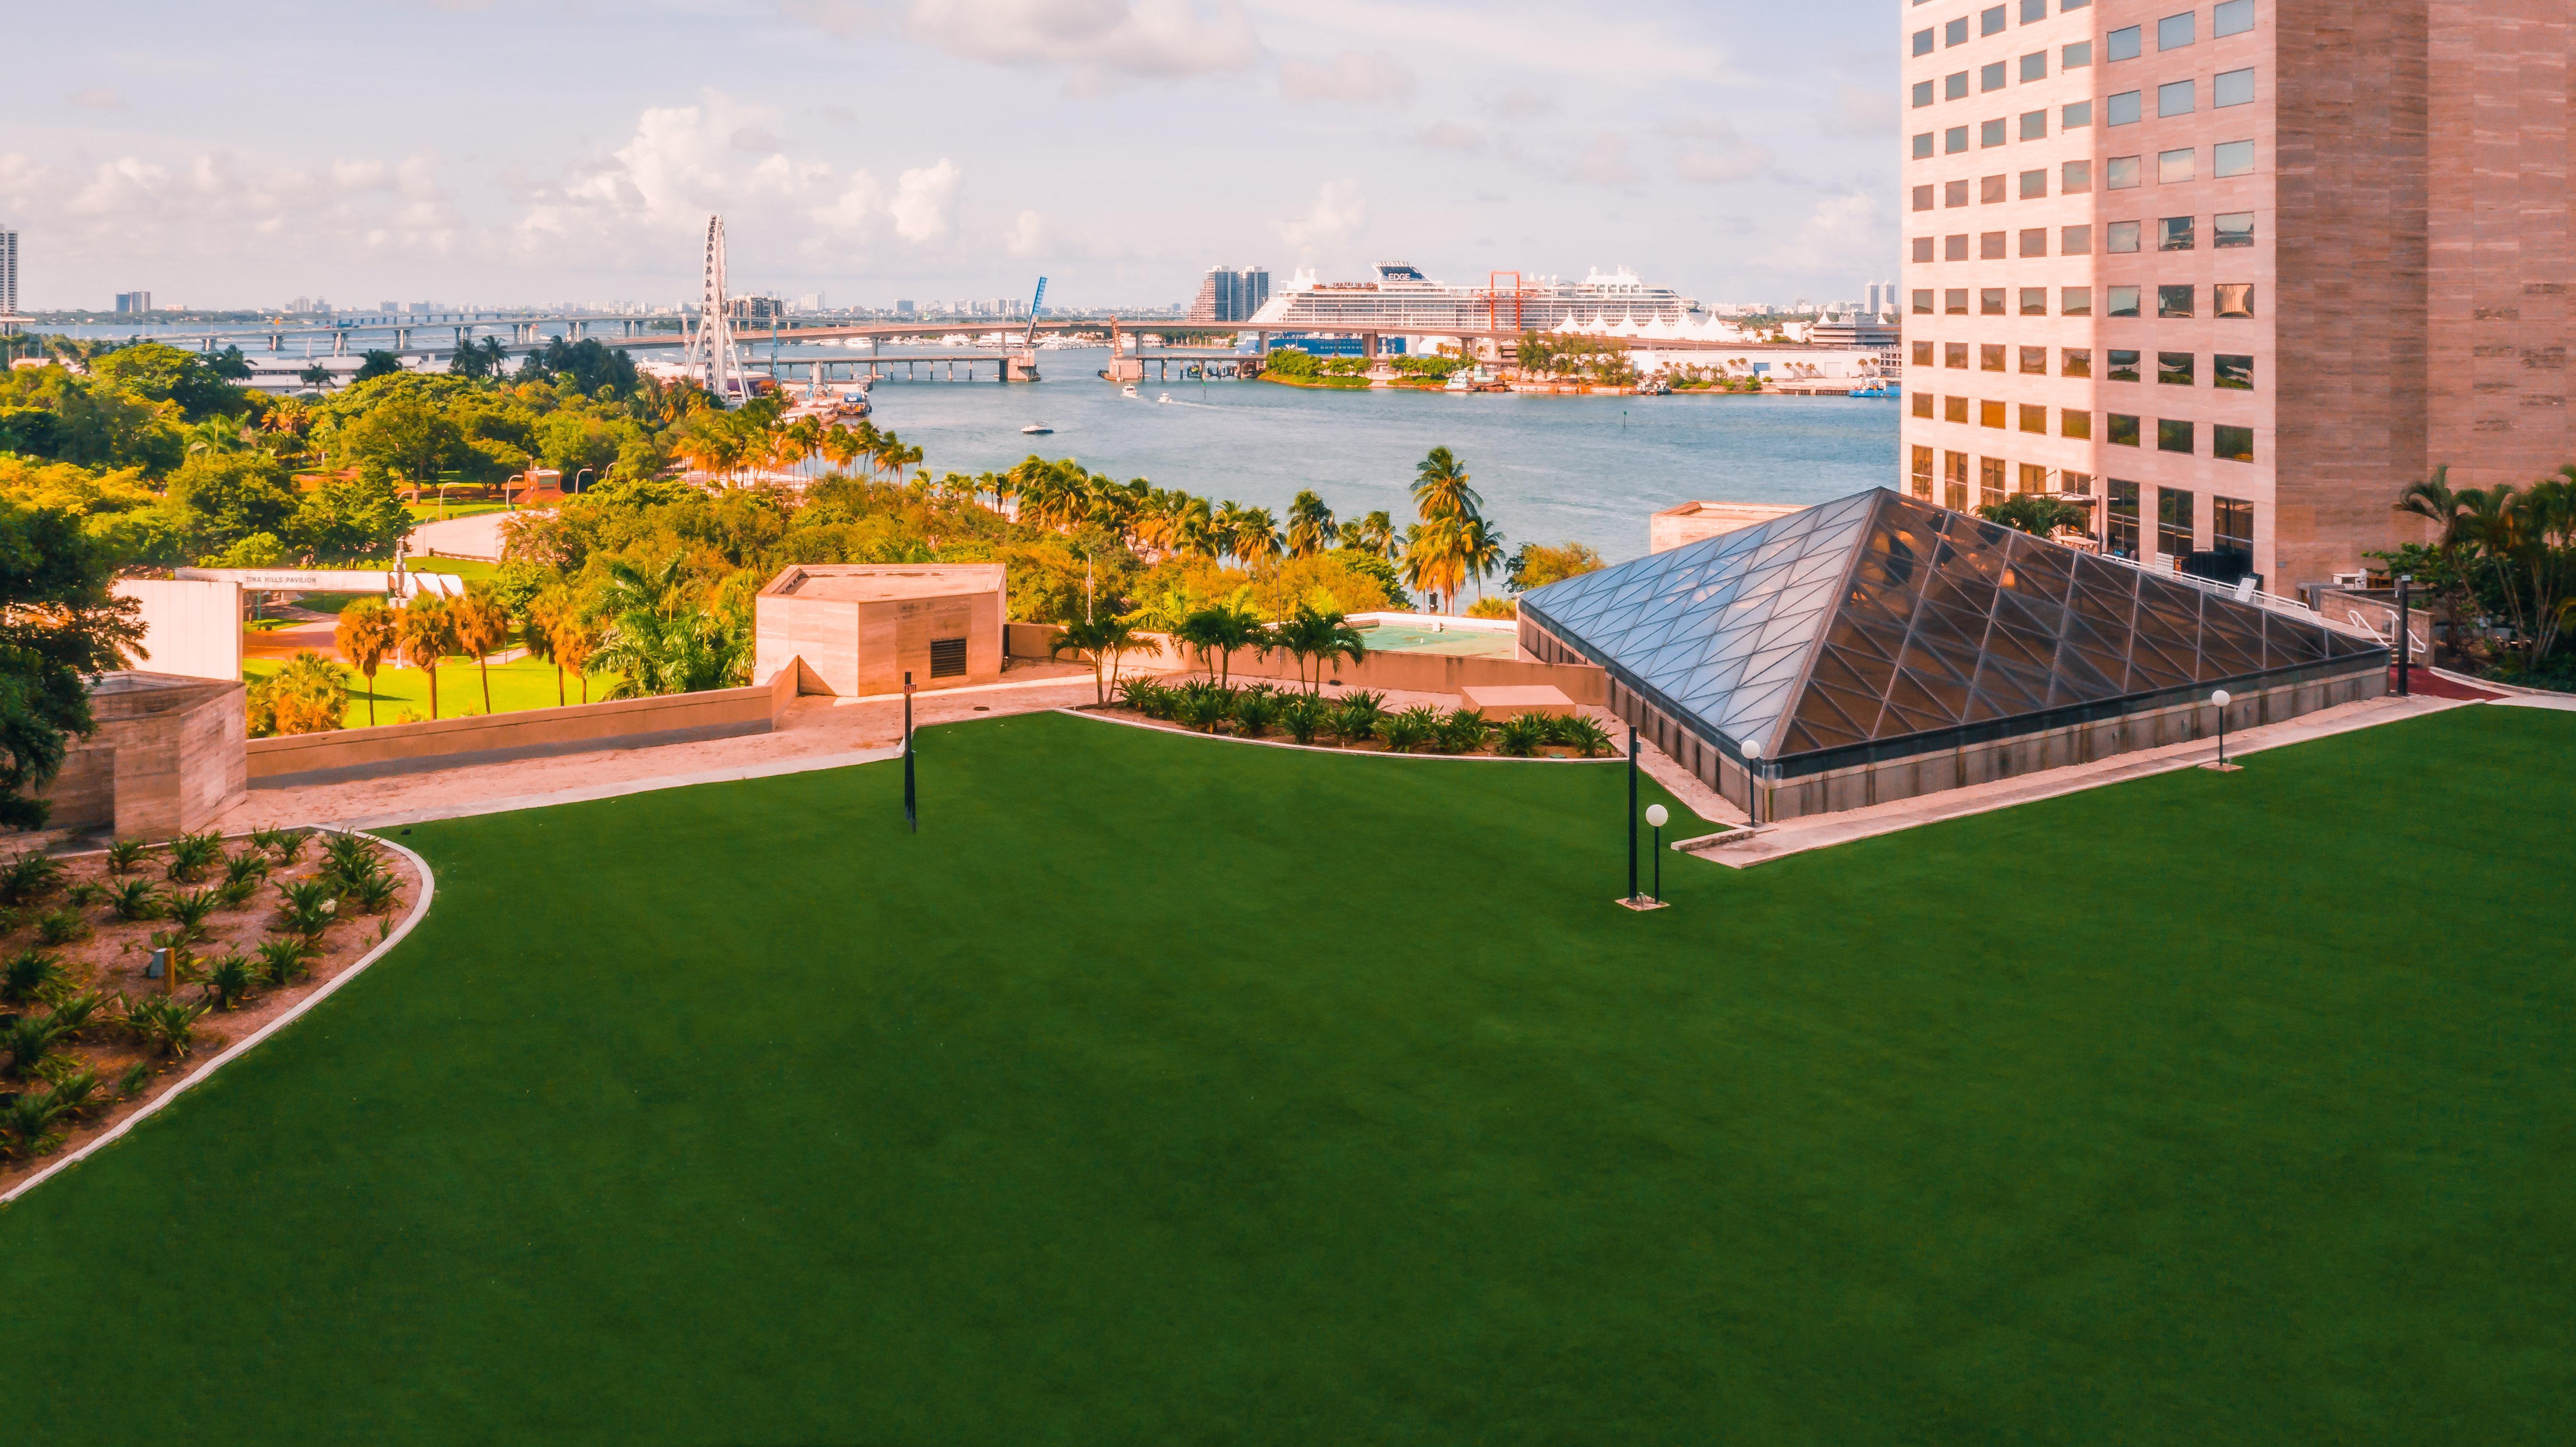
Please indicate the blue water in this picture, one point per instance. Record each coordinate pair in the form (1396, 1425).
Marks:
(1550, 469)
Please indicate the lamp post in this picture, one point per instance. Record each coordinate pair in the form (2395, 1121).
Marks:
(1752, 785)
(2404, 635)
(1655, 815)
(911, 817)
(2220, 698)
(1632, 813)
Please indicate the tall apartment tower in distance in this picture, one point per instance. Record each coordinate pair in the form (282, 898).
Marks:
(2243, 268)
(133, 302)
(8, 272)
(1227, 295)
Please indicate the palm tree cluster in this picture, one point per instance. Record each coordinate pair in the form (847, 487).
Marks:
(1453, 542)
(757, 438)
(2501, 552)
(661, 637)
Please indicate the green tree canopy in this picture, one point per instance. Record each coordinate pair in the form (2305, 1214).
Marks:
(59, 625)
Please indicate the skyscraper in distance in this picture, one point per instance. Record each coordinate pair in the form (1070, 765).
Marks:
(8, 271)
(2243, 268)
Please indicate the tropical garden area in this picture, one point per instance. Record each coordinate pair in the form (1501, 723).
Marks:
(642, 581)
(2500, 576)
(118, 967)
(1101, 1114)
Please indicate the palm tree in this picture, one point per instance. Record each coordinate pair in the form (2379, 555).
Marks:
(1310, 525)
(481, 625)
(1225, 524)
(424, 633)
(1434, 561)
(574, 638)
(1373, 534)
(1311, 636)
(1256, 536)
(1480, 550)
(364, 637)
(1105, 638)
(1440, 487)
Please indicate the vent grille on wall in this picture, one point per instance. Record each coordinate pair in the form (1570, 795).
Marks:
(948, 658)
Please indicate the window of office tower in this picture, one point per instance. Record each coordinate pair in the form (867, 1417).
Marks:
(2123, 530)
(2173, 521)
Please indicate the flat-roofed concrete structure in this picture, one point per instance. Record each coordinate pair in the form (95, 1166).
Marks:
(1693, 521)
(168, 757)
(859, 627)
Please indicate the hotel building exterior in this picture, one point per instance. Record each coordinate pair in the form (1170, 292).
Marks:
(2243, 268)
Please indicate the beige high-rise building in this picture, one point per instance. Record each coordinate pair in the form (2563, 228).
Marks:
(2244, 268)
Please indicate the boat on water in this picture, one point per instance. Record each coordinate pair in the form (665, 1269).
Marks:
(1878, 389)
(1166, 397)
(1401, 296)
(1127, 391)
(1036, 429)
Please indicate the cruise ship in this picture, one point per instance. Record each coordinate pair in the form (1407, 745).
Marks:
(1402, 298)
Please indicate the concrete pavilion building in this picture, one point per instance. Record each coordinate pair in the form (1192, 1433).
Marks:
(2246, 267)
(1878, 648)
(852, 629)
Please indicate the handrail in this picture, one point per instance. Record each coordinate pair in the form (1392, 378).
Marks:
(2237, 591)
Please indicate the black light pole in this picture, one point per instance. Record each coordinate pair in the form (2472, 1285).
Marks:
(1656, 816)
(2403, 635)
(911, 818)
(1632, 813)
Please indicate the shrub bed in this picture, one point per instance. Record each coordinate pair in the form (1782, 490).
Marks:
(1356, 720)
(88, 1036)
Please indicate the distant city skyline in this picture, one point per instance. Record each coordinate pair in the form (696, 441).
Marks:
(938, 147)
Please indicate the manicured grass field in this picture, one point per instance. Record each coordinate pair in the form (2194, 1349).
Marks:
(520, 684)
(1170, 1090)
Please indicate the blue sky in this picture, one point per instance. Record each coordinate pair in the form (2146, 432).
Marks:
(510, 151)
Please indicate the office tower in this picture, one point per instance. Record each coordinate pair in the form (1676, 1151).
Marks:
(8, 272)
(133, 302)
(1227, 295)
(2246, 268)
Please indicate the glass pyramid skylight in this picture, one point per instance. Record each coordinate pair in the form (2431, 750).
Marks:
(1876, 618)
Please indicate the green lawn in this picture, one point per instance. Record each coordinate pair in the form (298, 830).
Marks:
(1164, 1090)
(525, 683)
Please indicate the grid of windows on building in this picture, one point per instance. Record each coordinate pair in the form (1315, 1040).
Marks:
(2216, 91)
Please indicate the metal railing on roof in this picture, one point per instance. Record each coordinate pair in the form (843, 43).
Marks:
(2244, 590)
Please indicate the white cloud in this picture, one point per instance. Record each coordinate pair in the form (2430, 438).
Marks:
(925, 202)
(1350, 77)
(218, 209)
(1100, 44)
(685, 163)
(1335, 219)
(1027, 236)
(1842, 231)
(1619, 44)
(98, 98)
(1451, 136)
(1521, 103)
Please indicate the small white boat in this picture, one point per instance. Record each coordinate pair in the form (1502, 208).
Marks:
(1036, 429)
(1127, 391)
(1166, 397)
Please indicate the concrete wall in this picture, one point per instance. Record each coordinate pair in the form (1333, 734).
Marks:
(167, 757)
(190, 629)
(493, 738)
